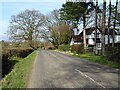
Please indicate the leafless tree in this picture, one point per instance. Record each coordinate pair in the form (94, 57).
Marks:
(56, 31)
(26, 26)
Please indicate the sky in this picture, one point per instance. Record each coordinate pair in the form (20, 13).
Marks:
(13, 7)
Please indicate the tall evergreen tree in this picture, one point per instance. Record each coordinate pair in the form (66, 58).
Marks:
(73, 12)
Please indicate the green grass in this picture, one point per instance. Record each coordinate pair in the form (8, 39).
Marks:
(18, 77)
(95, 58)
(98, 59)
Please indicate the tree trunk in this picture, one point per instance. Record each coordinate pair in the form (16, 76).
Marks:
(95, 44)
(103, 27)
(84, 33)
(109, 23)
(114, 23)
(30, 38)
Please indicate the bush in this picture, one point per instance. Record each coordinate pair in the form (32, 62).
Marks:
(113, 54)
(7, 63)
(18, 52)
(78, 48)
(19, 75)
(64, 47)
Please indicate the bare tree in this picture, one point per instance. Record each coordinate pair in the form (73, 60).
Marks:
(52, 19)
(57, 32)
(26, 26)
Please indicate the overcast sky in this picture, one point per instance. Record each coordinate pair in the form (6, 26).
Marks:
(13, 7)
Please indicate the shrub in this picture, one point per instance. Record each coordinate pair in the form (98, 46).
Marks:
(78, 48)
(18, 52)
(113, 54)
(64, 47)
(8, 63)
(19, 76)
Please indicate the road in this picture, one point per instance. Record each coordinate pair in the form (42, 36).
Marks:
(52, 69)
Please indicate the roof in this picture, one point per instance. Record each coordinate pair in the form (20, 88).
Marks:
(91, 29)
(111, 32)
(79, 38)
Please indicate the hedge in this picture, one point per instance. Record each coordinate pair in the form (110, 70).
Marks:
(77, 48)
(113, 54)
(7, 63)
(64, 47)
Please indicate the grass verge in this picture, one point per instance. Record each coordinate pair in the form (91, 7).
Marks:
(18, 77)
(97, 59)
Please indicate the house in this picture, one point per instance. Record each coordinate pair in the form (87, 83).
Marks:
(77, 39)
(90, 32)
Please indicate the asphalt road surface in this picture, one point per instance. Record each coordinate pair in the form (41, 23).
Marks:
(52, 69)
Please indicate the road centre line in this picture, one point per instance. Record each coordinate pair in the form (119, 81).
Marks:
(82, 73)
(89, 78)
